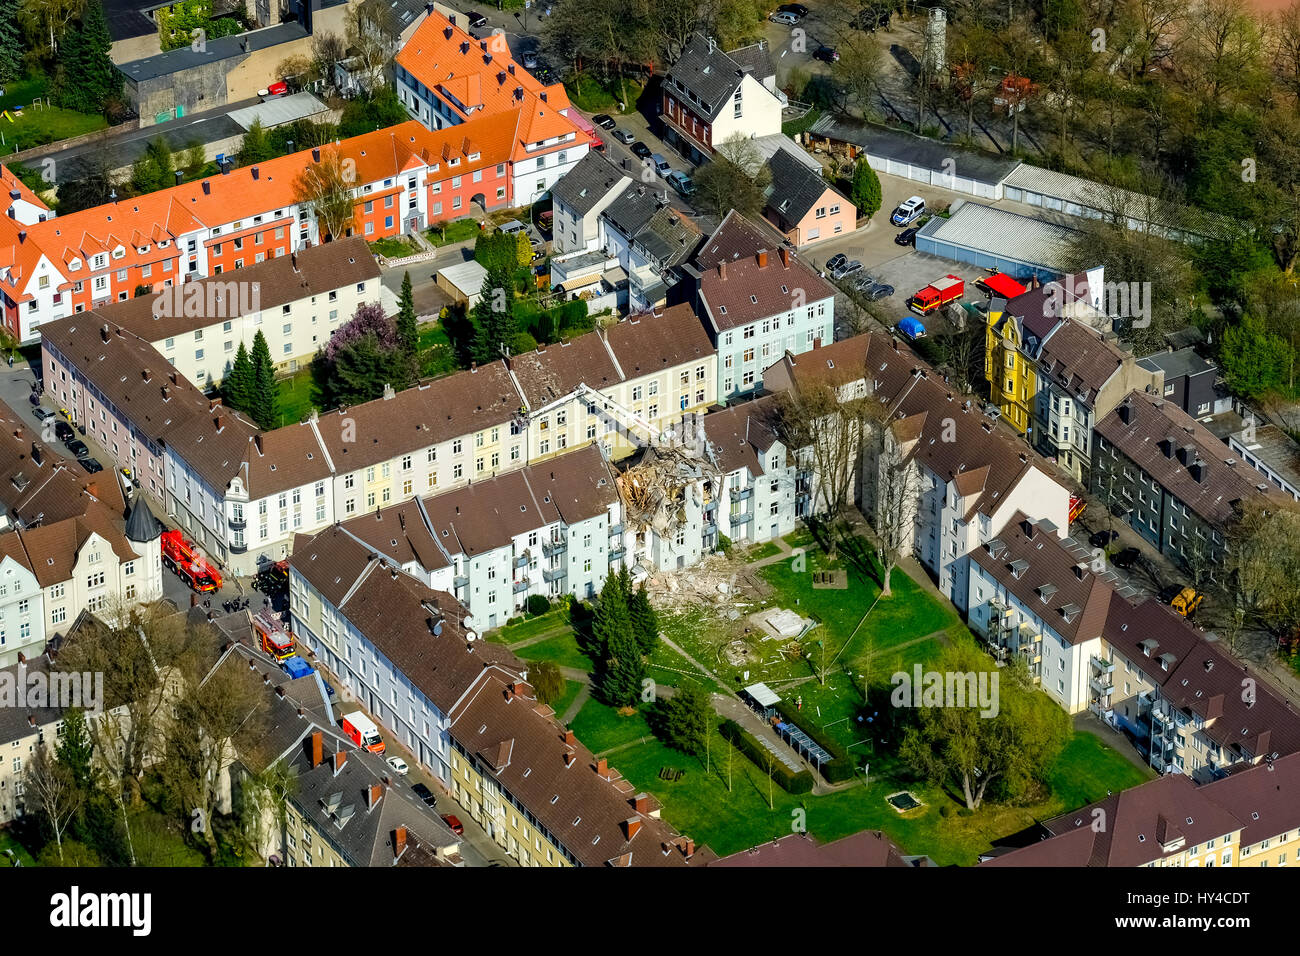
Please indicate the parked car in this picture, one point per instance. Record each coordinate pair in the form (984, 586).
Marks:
(682, 183)
(425, 794)
(661, 165)
(454, 824)
(827, 54)
(1127, 558)
(852, 266)
(641, 151)
(798, 9)
(1101, 539)
(834, 263)
(864, 282)
(511, 226)
(908, 211)
(91, 465)
(477, 20)
(624, 137)
(880, 291)
(42, 413)
(784, 18)
(907, 236)
(78, 448)
(399, 765)
(63, 432)
(604, 121)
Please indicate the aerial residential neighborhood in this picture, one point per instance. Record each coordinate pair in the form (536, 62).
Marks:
(582, 434)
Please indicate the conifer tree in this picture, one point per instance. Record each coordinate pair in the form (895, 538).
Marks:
(237, 389)
(265, 400)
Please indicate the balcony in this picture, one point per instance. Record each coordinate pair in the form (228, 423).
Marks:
(554, 574)
(742, 518)
(460, 581)
(615, 529)
(521, 560)
(521, 585)
(238, 548)
(552, 548)
(1102, 685)
(1103, 666)
(742, 494)
(237, 524)
(710, 528)
(616, 554)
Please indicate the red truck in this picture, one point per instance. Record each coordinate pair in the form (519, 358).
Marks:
(183, 558)
(363, 732)
(938, 293)
(272, 636)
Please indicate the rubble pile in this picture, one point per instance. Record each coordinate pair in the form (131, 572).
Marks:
(655, 490)
(717, 581)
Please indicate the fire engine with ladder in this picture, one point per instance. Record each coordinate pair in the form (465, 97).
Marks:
(180, 556)
(272, 636)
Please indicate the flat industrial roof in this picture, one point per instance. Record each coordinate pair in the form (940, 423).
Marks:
(279, 110)
(222, 48)
(1006, 235)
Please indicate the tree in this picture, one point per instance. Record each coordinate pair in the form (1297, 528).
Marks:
(548, 683)
(368, 37)
(86, 78)
(265, 400)
(50, 18)
(327, 49)
(239, 386)
(645, 622)
(893, 490)
(408, 332)
(11, 42)
(494, 317)
(325, 187)
(256, 146)
(264, 797)
(363, 356)
(88, 184)
(371, 111)
(687, 719)
(859, 68)
(735, 178)
(867, 194)
(958, 746)
(54, 793)
(155, 169)
(75, 750)
(1254, 360)
(1262, 564)
(621, 668)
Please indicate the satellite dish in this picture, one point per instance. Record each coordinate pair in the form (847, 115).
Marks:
(437, 629)
(470, 636)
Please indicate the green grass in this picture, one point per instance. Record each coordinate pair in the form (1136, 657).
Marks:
(571, 690)
(458, 230)
(668, 667)
(298, 395)
(601, 727)
(591, 94)
(1087, 768)
(394, 248)
(40, 125)
(760, 551)
(562, 649)
(7, 842)
(513, 633)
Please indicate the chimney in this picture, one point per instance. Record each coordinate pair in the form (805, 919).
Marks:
(255, 173)
(166, 393)
(1126, 412)
(1167, 446)
(340, 758)
(641, 802)
(630, 827)
(602, 768)
(399, 835)
(171, 375)
(22, 236)
(145, 373)
(511, 69)
(784, 253)
(570, 738)
(180, 174)
(568, 760)
(103, 332)
(373, 794)
(1198, 470)
(428, 12)
(257, 440)
(1187, 454)
(315, 749)
(722, 270)
(315, 154)
(207, 187)
(817, 343)
(688, 847)
(37, 454)
(762, 258)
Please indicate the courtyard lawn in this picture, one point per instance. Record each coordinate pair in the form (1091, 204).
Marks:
(1087, 768)
(562, 649)
(668, 667)
(298, 395)
(9, 844)
(39, 125)
(459, 230)
(601, 727)
(552, 620)
(760, 551)
(394, 248)
(571, 690)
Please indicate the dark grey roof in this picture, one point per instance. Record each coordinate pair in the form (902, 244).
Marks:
(916, 150)
(795, 188)
(222, 48)
(1176, 364)
(587, 183)
(14, 721)
(705, 76)
(632, 211)
(126, 18)
(755, 59)
(668, 237)
(141, 525)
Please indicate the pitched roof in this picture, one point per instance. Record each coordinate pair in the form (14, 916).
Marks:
(866, 848)
(736, 237)
(1157, 436)
(53, 548)
(646, 344)
(740, 435)
(1080, 359)
(587, 183)
(706, 76)
(552, 371)
(795, 190)
(762, 284)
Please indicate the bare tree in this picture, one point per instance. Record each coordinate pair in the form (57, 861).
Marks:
(327, 49)
(265, 799)
(368, 37)
(54, 792)
(325, 187)
(894, 497)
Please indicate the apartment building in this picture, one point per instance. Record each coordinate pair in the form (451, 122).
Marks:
(22, 730)
(20, 204)
(1189, 381)
(1030, 604)
(22, 604)
(1172, 481)
(463, 708)
(547, 529)
(1248, 819)
(657, 366)
(407, 177)
(1015, 332)
(447, 79)
(710, 96)
(579, 198)
(758, 303)
(1081, 375)
(296, 301)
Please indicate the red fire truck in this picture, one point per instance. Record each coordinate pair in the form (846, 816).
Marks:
(272, 636)
(183, 558)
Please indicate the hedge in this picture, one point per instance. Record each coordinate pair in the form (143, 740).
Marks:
(787, 780)
(841, 766)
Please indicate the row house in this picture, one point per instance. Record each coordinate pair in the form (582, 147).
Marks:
(1248, 819)
(463, 708)
(1081, 375)
(296, 301)
(548, 529)
(942, 467)
(710, 97)
(1172, 480)
(758, 303)
(406, 177)
(447, 78)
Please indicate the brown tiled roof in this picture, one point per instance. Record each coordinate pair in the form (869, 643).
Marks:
(867, 848)
(647, 344)
(555, 370)
(1053, 582)
(1079, 359)
(835, 364)
(591, 815)
(737, 292)
(488, 514)
(1154, 438)
(52, 490)
(399, 532)
(736, 237)
(1263, 798)
(278, 281)
(740, 435)
(579, 484)
(52, 547)
(1038, 309)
